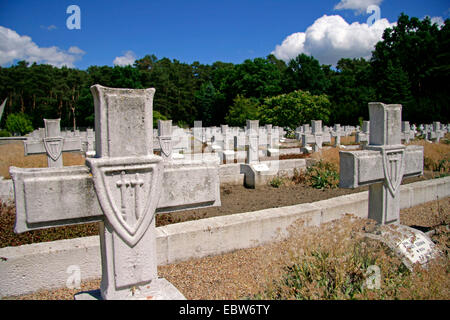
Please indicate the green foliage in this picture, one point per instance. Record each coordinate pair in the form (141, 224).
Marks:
(409, 66)
(18, 123)
(241, 110)
(305, 73)
(157, 116)
(322, 175)
(4, 133)
(292, 109)
(277, 182)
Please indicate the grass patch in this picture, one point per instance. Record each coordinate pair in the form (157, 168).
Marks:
(334, 261)
(320, 175)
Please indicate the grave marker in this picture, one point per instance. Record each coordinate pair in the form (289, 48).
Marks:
(382, 164)
(52, 144)
(123, 188)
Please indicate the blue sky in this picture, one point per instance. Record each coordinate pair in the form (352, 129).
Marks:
(197, 30)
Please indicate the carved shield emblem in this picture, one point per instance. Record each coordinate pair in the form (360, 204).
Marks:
(54, 147)
(128, 192)
(394, 166)
(166, 146)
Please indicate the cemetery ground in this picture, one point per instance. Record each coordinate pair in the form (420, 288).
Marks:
(327, 262)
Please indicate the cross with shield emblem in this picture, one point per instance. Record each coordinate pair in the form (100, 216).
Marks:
(122, 188)
(53, 144)
(382, 164)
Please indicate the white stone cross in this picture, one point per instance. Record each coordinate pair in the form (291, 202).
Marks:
(337, 133)
(382, 164)
(123, 188)
(53, 144)
(362, 137)
(316, 136)
(165, 138)
(253, 143)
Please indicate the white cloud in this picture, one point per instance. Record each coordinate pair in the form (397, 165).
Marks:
(16, 47)
(76, 50)
(331, 38)
(359, 6)
(128, 59)
(438, 20)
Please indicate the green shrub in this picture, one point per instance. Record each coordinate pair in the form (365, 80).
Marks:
(276, 182)
(18, 123)
(322, 175)
(4, 133)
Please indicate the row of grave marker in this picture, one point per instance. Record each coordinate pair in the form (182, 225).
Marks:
(224, 140)
(125, 185)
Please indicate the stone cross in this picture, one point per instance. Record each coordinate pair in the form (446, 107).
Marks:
(337, 134)
(316, 136)
(435, 133)
(407, 133)
(123, 188)
(253, 144)
(363, 137)
(53, 144)
(165, 138)
(382, 164)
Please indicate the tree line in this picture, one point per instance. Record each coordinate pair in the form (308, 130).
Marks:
(410, 66)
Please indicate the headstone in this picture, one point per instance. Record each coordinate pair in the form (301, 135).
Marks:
(253, 145)
(316, 136)
(165, 138)
(382, 164)
(123, 188)
(407, 133)
(52, 144)
(411, 245)
(363, 137)
(337, 134)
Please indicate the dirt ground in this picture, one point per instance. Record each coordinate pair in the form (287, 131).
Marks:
(238, 199)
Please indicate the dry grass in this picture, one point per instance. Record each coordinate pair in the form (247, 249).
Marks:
(12, 154)
(330, 155)
(336, 253)
(436, 155)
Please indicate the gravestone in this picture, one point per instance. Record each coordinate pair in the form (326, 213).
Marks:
(253, 144)
(382, 165)
(411, 245)
(165, 138)
(407, 133)
(316, 136)
(272, 147)
(123, 188)
(362, 137)
(337, 133)
(52, 144)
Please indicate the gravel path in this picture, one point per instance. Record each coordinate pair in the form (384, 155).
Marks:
(244, 273)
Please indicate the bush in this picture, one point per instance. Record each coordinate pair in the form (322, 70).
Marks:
(322, 175)
(276, 182)
(18, 123)
(4, 133)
